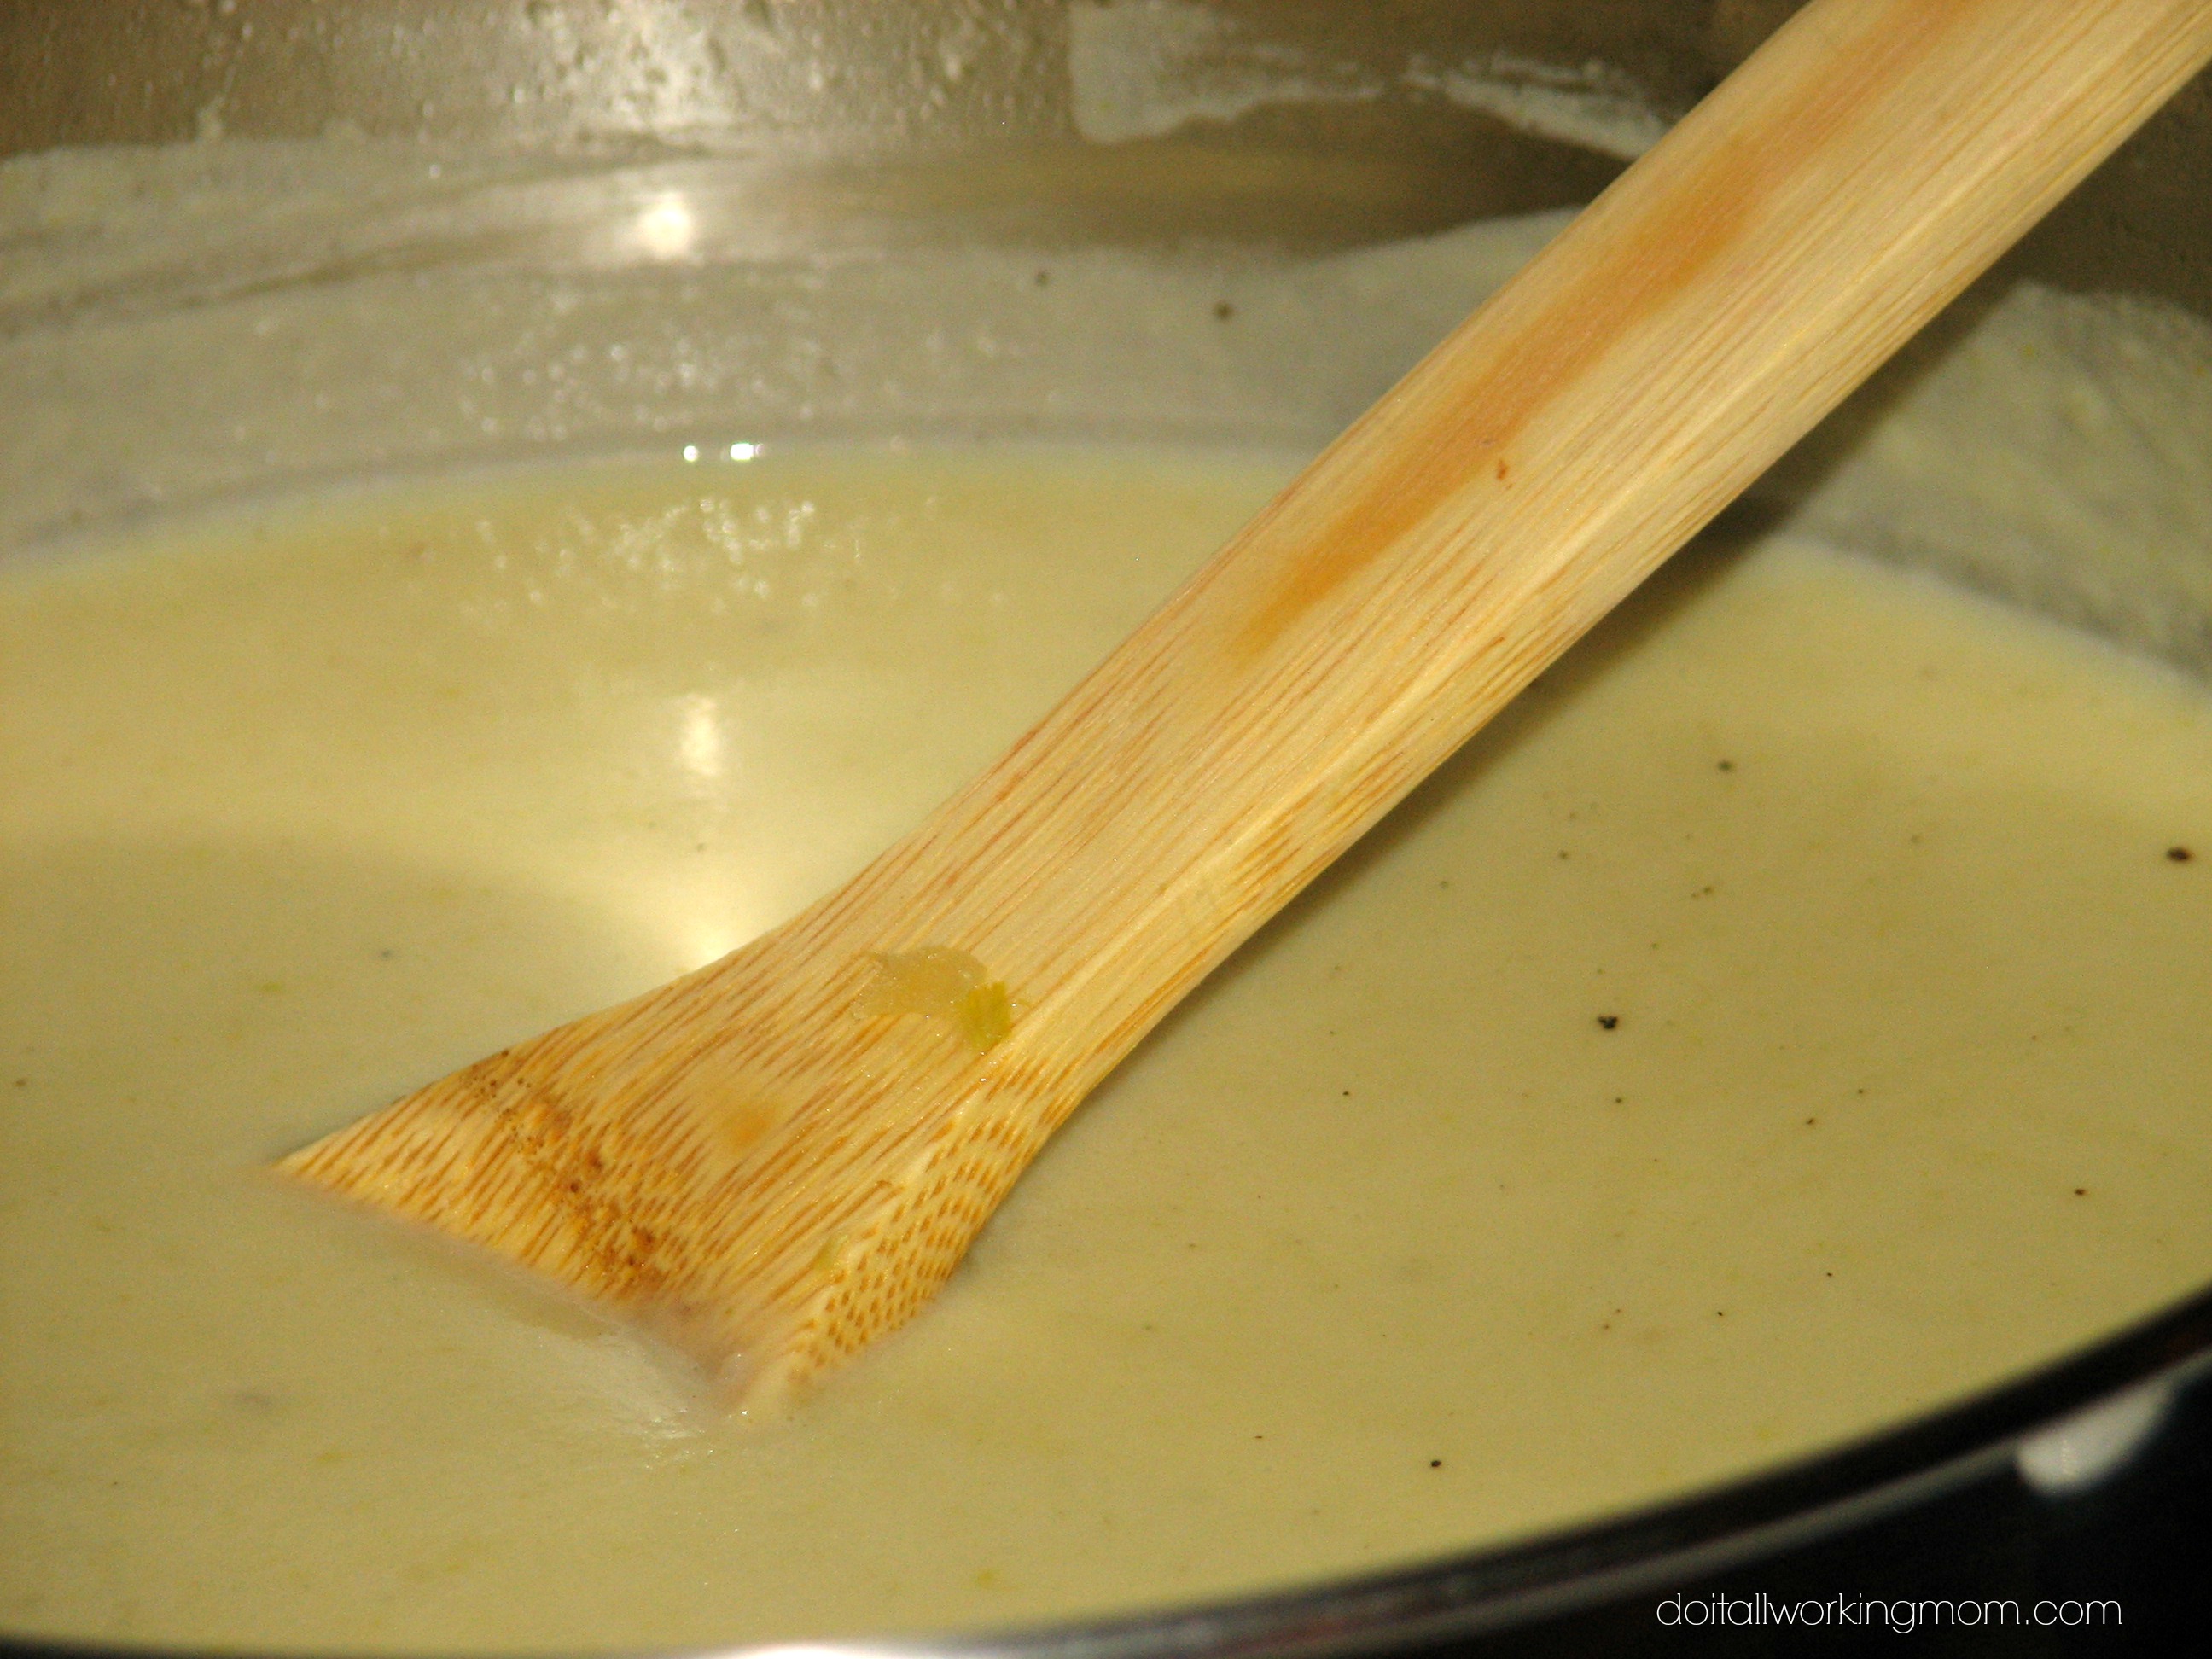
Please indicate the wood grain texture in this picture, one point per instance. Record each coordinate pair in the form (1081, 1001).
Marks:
(776, 1175)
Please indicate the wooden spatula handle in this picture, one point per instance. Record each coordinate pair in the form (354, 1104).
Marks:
(1726, 293)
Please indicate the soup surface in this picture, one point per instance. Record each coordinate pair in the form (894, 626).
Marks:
(1789, 1015)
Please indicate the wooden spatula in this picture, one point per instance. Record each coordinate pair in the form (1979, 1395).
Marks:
(781, 1155)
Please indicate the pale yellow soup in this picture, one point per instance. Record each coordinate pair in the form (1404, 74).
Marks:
(1789, 1016)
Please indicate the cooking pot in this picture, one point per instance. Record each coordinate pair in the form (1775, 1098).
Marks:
(542, 171)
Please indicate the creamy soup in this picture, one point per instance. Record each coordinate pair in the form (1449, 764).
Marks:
(1788, 1016)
